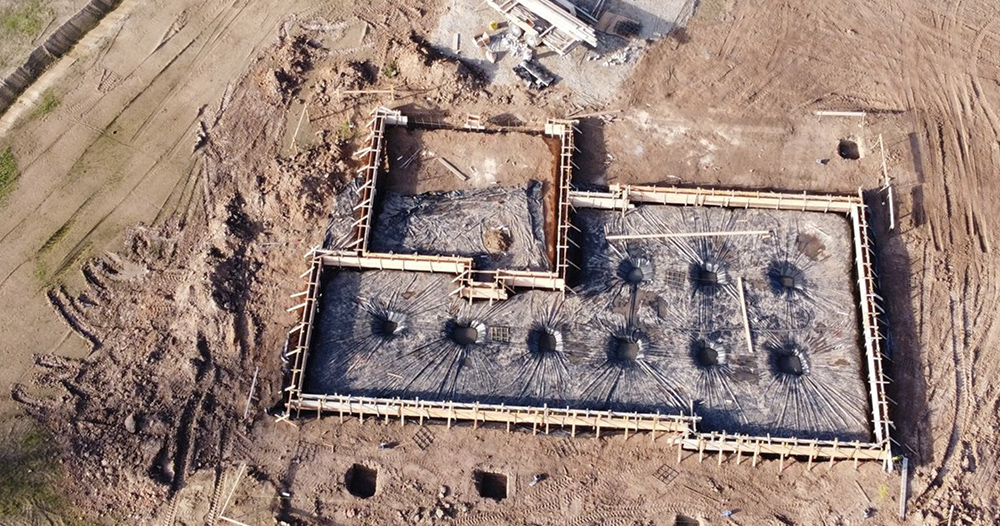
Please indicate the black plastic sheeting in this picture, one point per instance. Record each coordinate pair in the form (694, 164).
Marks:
(651, 325)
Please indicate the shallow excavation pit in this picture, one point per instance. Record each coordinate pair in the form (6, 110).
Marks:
(482, 358)
(786, 279)
(545, 340)
(635, 270)
(466, 333)
(789, 359)
(707, 354)
(389, 324)
(491, 485)
(361, 481)
(849, 149)
(709, 276)
(627, 347)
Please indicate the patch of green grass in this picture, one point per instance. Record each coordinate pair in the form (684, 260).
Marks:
(55, 238)
(29, 475)
(8, 173)
(390, 70)
(41, 271)
(49, 102)
(347, 131)
(24, 19)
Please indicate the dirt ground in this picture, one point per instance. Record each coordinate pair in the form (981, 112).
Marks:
(163, 208)
(508, 159)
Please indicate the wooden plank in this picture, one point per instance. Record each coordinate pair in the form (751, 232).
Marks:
(616, 237)
(563, 19)
(828, 113)
(746, 319)
(782, 447)
(598, 200)
(871, 349)
(739, 199)
(492, 413)
(451, 167)
(902, 488)
(398, 262)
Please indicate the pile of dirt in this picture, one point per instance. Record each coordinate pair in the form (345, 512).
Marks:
(163, 393)
(179, 320)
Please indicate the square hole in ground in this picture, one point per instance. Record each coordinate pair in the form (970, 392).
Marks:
(361, 481)
(491, 485)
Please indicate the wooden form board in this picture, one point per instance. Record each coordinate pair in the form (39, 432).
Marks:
(599, 200)
(814, 449)
(514, 415)
(869, 325)
(405, 262)
(680, 426)
(564, 129)
(299, 337)
(530, 280)
(737, 199)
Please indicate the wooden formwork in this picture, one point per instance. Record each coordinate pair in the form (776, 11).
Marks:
(756, 447)
(737, 198)
(372, 154)
(540, 418)
(671, 429)
(404, 262)
(599, 200)
(564, 129)
(679, 430)
(300, 336)
(869, 325)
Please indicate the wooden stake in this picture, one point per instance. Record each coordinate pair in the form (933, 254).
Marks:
(236, 483)
(862, 490)
(451, 167)
(902, 488)
(253, 385)
(297, 126)
(746, 319)
(827, 113)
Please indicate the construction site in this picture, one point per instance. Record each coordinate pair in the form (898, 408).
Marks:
(720, 319)
(579, 262)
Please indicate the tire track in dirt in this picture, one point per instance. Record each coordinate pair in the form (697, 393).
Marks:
(961, 154)
(67, 184)
(209, 45)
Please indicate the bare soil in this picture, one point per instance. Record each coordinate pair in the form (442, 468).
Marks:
(185, 205)
(483, 159)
